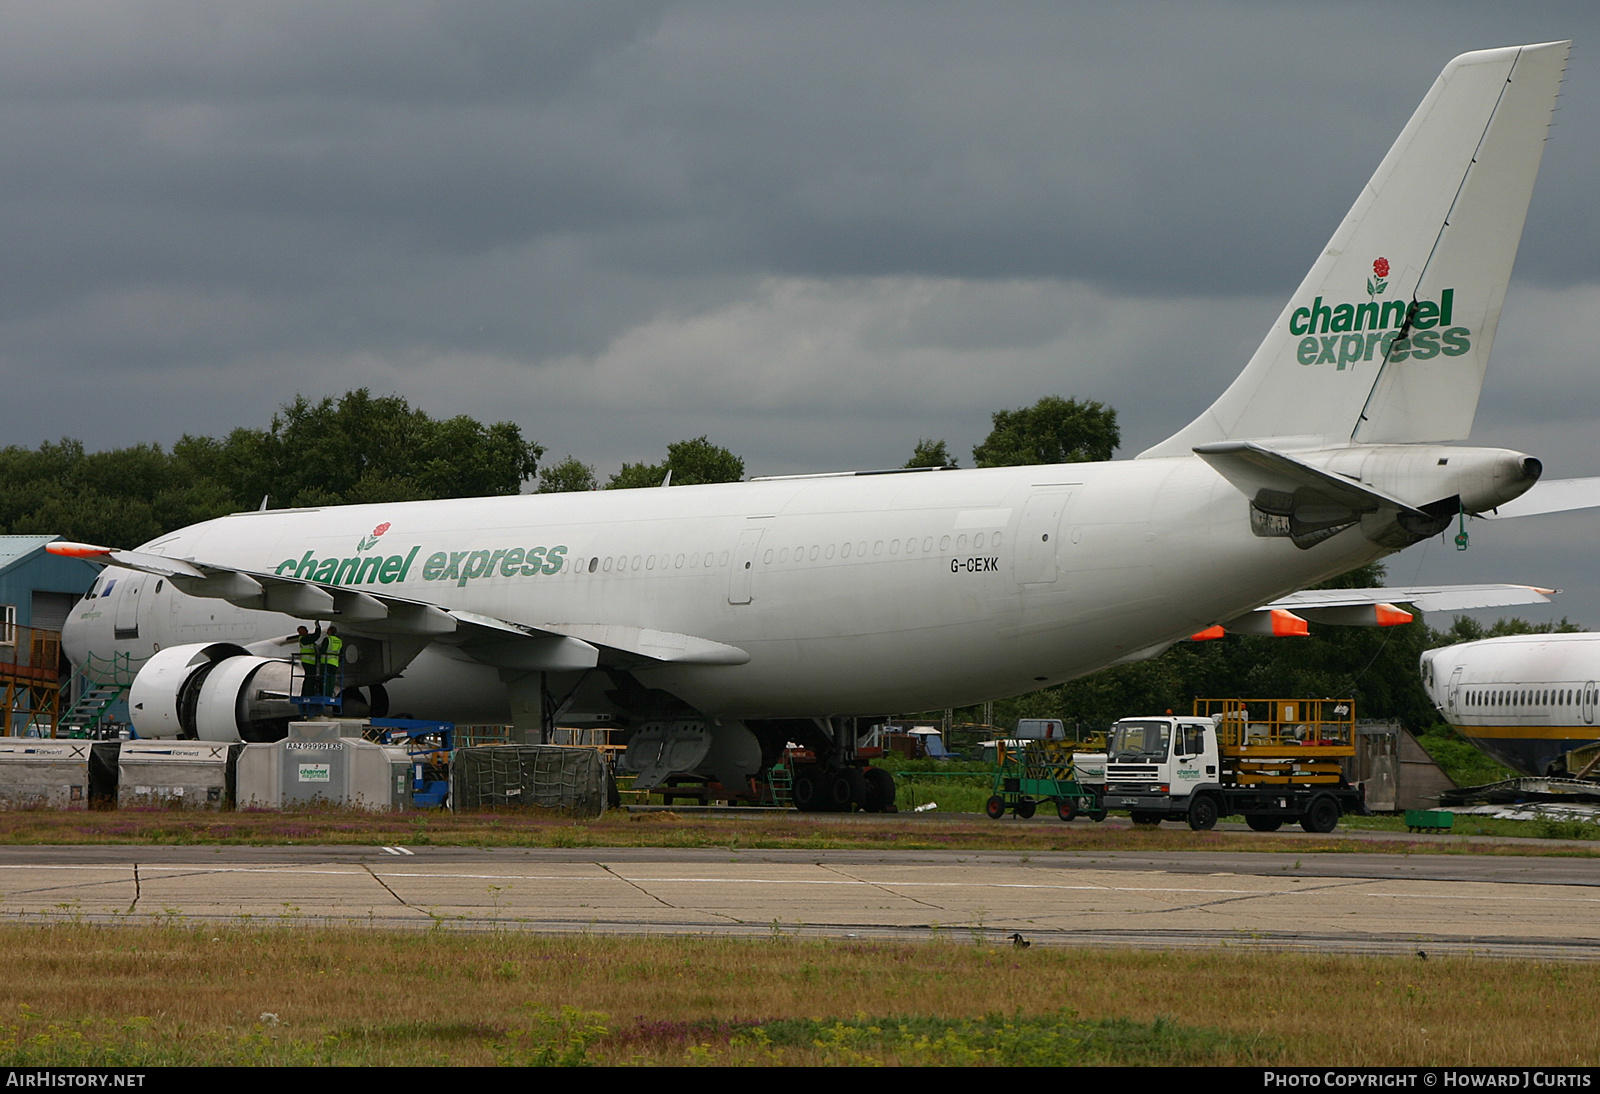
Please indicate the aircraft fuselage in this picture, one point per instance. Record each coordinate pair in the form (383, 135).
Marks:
(850, 593)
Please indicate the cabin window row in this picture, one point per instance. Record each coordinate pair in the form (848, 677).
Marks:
(1523, 697)
(801, 552)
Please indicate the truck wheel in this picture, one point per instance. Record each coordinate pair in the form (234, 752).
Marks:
(1323, 816)
(1203, 813)
(995, 807)
(1264, 824)
(1097, 815)
(1067, 808)
(1145, 818)
(1024, 808)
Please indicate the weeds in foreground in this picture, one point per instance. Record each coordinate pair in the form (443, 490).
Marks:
(292, 995)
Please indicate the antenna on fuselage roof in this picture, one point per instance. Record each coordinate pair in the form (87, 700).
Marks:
(264, 498)
(668, 480)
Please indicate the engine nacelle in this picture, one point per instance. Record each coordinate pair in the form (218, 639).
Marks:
(215, 691)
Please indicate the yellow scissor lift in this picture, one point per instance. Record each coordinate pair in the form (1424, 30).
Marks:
(1281, 742)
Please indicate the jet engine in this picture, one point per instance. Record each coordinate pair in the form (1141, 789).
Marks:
(215, 691)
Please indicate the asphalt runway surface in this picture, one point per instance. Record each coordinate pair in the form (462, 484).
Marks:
(1509, 906)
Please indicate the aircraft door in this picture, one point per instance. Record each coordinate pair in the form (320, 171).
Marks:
(744, 564)
(127, 624)
(1036, 560)
(1588, 703)
(1453, 692)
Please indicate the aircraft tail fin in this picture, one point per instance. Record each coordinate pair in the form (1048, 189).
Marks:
(1387, 338)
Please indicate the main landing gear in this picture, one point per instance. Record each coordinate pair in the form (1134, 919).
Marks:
(819, 789)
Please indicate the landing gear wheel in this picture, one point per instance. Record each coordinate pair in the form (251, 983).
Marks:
(1264, 824)
(1024, 807)
(1322, 817)
(1203, 813)
(880, 791)
(1145, 818)
(844, 790)
(1067, 808)
(995, 807)
(808, 787)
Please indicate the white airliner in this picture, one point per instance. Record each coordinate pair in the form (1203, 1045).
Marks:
(1526, 699)
(714, 623)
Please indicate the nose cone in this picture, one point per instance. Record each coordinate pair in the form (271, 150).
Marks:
(1426, 666)
(75, 634)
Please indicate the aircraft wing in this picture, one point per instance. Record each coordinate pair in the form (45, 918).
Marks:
(546, 647)
(1288, 616)
(1551, 496)
(1425, 598)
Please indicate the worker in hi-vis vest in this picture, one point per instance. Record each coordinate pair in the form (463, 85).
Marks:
(332, 661)
(310, 662)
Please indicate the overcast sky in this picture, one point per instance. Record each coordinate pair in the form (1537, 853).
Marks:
(813, 232)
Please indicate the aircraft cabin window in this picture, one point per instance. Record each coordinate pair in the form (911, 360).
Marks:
(813, 555)
(783, 555)
(961, 543)
(944, 543)
(636, 560)
(994, 540)
(861, 548)
(977, 541)
(593, 563)
(677, 563)
(768, 559)
(877, 548)
(830, 551)
(722, 559)
(844, 552)
(927, 543)
(894, 546)
(911, 545)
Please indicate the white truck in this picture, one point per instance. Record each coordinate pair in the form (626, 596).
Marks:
(1272, 761)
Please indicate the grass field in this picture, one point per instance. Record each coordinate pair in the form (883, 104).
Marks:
(777, 830)
(129, 997)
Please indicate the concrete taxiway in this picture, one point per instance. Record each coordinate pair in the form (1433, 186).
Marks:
(1503, 905)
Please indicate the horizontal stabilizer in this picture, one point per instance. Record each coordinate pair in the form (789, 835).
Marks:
(1280, 484)
(1550, 496)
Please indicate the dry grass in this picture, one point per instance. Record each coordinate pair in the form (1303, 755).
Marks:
(78, 994)
(781, 830)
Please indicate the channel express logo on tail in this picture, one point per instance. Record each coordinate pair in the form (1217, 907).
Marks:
(458, 566)
(1346, 334)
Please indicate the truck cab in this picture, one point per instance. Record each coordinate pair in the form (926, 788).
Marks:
(1272, 765)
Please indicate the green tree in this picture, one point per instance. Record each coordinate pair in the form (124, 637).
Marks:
(1053, 430)
(364, 449)
(353, 449)
(930, 454)
(691, 463)
(568, 476)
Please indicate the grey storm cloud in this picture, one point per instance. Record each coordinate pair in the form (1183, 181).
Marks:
(813, 231)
